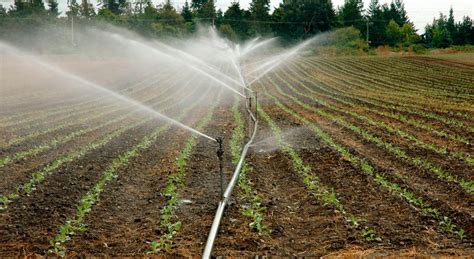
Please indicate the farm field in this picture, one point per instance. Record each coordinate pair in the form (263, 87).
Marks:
(463, 57)
(354, 156)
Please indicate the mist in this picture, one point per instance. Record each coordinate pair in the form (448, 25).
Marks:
(121, 69)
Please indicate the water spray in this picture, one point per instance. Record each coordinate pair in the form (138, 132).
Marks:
(232, 55)
(266, 67)
(193, 67)
(194, 59)
(107, 91)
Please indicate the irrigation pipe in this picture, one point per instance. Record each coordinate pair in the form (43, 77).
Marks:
(228, 192)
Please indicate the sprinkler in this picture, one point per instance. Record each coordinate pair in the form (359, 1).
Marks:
(220, 155)
(256, 107)
(250, 116)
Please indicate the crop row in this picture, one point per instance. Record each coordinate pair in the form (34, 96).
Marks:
(325, 194)
(68, 111)
(346, 99)
(402, 78)
(380, 178)
(255, 210)
(398, 84)
(351, 111)
(394, 69)
(63, 139)
(66, 106)
(396, 151)
(75, 224)
(57, 97)
(443, 71)
(392, 113)
(106, 113)
(379, 89)
(60, 115)
(40, 175)
(399, 104)
(169, 221)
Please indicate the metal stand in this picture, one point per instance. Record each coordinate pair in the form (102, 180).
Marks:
(250, 117)
(256, 107)
(220, 155)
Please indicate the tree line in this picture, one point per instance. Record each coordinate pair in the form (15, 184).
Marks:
(292, 20)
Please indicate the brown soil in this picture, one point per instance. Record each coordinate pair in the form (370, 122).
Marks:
(126, 219)
(445, 62)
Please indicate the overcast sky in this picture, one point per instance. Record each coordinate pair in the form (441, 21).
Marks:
(420, 12)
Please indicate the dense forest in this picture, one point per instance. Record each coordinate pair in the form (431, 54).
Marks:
(293, 20)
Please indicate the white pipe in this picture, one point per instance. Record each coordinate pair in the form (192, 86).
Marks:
(227, 194)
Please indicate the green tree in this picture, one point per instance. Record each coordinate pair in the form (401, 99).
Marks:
(111, 5)
(350, 14)
(117, 6)
(298, 19)
(3, 11)
(395, 11)
(87, 9)
(345, 40)
(74, 9)
(451, 26)
(144, 19)
(25, 8)
(393, 33)
(53, 8)
(170, 22)
(186, 12)
(235, 17)
(259, 17)
(197, 4)
(408, 34)
(437, 34)
(398, 12)
(38, 7)
(465, 32)
(204, 10)
(219, 18)
(227, 31)
(377, 24)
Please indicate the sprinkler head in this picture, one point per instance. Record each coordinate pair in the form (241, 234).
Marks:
(220, 150)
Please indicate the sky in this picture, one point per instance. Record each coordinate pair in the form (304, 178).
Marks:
(421, 12)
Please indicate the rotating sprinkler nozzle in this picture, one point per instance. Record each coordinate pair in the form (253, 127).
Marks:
(220, 155)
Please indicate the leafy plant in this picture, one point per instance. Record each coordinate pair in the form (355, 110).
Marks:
(75, 224)
(255, 211)
(461, 234)
(175, 182)
(370, 235)
(369, 170)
